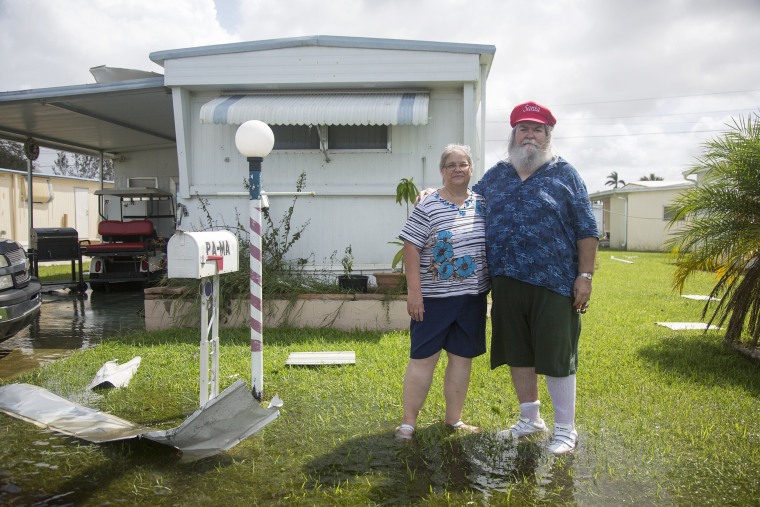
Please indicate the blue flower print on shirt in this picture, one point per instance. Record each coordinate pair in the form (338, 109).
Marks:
(444, 265)
(445, 270)
(462, 210)
(465, 266)
(442, 251)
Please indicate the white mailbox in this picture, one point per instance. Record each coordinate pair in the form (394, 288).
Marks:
(202, 254)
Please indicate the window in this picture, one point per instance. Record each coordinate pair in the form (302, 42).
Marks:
(142, 182)
(295, 137)
(339, 137)
(360, 137)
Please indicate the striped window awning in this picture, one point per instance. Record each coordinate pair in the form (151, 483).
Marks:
(331, 108)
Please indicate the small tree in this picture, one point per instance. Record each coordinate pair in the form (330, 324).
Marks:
(348, 262)
(83, 166)
(723, 234)
(61, 164)
(12, 156)
(406, 192)
(651, 177)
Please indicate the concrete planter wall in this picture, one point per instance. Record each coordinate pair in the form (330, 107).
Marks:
(347, 312)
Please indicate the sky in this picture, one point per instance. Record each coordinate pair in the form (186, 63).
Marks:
(637, 87)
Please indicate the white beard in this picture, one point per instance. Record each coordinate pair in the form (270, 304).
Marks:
(529, 156)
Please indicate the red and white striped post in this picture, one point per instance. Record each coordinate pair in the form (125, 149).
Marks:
(254, 140)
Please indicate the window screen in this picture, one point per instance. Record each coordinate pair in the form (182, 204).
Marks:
(295, 137)
(358, 137)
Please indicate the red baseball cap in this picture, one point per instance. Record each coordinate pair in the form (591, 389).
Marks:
(530, 111)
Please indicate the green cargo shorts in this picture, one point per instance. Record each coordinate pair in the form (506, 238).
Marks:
(533, 326)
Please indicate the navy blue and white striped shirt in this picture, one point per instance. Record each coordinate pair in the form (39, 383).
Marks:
(451, 240)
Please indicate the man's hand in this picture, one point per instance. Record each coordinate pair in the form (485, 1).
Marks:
(422, 195)
(581, 294)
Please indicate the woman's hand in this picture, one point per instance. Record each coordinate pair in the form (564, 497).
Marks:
(415, 306)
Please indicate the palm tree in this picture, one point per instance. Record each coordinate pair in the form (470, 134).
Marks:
(651, 177)
(723, 234)
(614, 181)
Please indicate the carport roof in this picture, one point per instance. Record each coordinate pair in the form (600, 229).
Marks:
(112, 118)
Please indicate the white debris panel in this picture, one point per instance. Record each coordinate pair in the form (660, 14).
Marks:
(680, 326)
(113, 374)
(219, 425)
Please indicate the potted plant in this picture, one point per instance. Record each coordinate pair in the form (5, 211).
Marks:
(348, 280)
(406, 192)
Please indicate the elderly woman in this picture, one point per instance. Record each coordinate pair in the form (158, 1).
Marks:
(447, 279)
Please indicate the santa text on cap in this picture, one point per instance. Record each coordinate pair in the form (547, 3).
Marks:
(532, 111)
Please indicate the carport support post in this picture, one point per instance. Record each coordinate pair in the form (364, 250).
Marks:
(254, 140)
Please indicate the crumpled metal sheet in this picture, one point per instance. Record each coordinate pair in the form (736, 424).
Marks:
(39, 406)
(223, 422)
(220, 424)
(113, 374)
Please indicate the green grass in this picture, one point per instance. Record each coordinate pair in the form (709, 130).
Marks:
(665, 418)
(60, 271)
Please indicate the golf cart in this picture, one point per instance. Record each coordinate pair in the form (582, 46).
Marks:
(135, 226)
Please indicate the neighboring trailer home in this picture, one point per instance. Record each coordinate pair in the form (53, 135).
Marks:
(57, 201)
(355, 115)
(636, 216)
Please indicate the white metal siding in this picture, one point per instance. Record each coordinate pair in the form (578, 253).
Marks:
(355, 192)
(307, 67)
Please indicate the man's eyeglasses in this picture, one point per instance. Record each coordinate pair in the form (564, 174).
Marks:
(452, 166)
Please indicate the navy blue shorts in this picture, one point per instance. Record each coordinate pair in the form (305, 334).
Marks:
(455, 324)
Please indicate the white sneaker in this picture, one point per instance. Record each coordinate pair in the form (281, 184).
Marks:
(565, 439)
(523, 428)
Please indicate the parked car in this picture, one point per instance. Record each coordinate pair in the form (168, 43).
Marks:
(132, 248)
(20, 298)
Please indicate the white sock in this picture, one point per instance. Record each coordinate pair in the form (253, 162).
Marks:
(530, 410)
(562, 392)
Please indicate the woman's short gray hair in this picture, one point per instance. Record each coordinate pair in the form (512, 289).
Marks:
(450, 149)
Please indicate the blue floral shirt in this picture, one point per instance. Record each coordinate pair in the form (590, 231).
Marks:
(532, 226)
(451, 240)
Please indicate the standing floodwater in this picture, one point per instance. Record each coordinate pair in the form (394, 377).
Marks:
(68, 322)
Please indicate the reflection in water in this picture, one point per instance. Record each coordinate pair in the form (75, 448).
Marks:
(69, 322)
(435, 461)
(526, 471)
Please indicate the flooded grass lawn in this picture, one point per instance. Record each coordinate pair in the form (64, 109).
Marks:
(665, 418)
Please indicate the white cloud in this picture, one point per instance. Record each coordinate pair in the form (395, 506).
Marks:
(586, 59)
(55, 43)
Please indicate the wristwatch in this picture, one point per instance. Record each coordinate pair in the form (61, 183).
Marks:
(587, 276)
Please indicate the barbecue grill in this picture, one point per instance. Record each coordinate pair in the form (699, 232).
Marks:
(57, 244)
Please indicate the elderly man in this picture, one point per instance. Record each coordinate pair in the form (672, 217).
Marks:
(541, 242)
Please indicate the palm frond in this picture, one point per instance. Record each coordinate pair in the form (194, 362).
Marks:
(722, 227)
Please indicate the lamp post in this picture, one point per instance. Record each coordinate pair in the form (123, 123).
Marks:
(254, 140)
